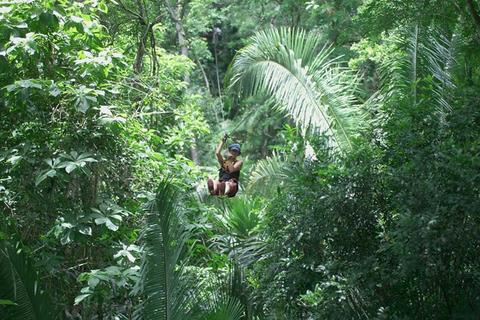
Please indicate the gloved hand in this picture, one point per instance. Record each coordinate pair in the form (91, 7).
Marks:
(225, 137)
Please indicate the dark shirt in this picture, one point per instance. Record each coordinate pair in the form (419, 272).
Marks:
(224, 175)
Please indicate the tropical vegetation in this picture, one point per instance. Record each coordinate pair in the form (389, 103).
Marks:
(359, 127)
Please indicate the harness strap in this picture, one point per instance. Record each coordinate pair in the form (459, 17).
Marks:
(224, 175)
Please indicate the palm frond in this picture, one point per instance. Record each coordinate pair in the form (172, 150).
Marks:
(305, 82)
(215, 301)
(166, 295)
(224, 308)
(268, 172)
(19, 283)
(252, 119)
(250, 250)
(422, 66)
(439, 55)
(243, 215)
(241, 223)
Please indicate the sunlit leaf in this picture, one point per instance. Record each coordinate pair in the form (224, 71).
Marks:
(81, 297)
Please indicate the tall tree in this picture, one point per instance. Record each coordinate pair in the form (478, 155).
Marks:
(145, 35)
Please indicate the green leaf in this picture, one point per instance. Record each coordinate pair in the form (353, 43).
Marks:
(125, 253)
(67, 225)
(54, 91)
(7, 302)
(81, 297)
(51, 173)
(165, 238)
(85, 157)
(45, 175)
(86, 289)
(21, 291)
(22, 25)
(110, 225)
(70, 167)
(130, 257)
(86, 230)
(93, 281)
(116, 217)
(101, 220)
(25, 84)
(66, 237)
(14, 159)
(113, 270)
(102, 7)
(285, 64)
(76, 19)
(5, 9)
(82, 104)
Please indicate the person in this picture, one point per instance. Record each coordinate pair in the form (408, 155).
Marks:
(229, 172)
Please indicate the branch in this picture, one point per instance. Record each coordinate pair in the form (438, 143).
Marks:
(142, 20)
(207, 83)
(184, 9)
(158, 19)
(172, 12)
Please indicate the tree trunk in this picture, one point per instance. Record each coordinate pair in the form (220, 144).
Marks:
(182, 43)
(138, 63)
(177, 20)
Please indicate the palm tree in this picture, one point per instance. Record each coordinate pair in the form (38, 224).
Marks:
(164, 238)
(315, 90)
(286, 65)
(239, 224)
(169, 294)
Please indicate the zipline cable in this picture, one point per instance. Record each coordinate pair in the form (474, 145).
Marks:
(232, 131)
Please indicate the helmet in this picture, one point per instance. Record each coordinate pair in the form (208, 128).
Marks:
(234, 146)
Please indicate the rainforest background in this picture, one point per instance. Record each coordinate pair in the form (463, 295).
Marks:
(359, 125)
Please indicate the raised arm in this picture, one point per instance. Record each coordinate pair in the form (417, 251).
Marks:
(237, 166)
(218, 150)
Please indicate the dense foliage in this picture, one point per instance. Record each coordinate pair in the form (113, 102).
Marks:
(359, 125)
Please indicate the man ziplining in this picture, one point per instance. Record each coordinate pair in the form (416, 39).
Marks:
(229, 172)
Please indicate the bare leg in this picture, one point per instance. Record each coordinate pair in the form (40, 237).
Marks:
(210, 185)
(221, 188)
(215, 187)
(232, 188)
(227, 187)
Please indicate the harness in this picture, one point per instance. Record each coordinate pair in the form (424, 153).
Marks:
(224, 175)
